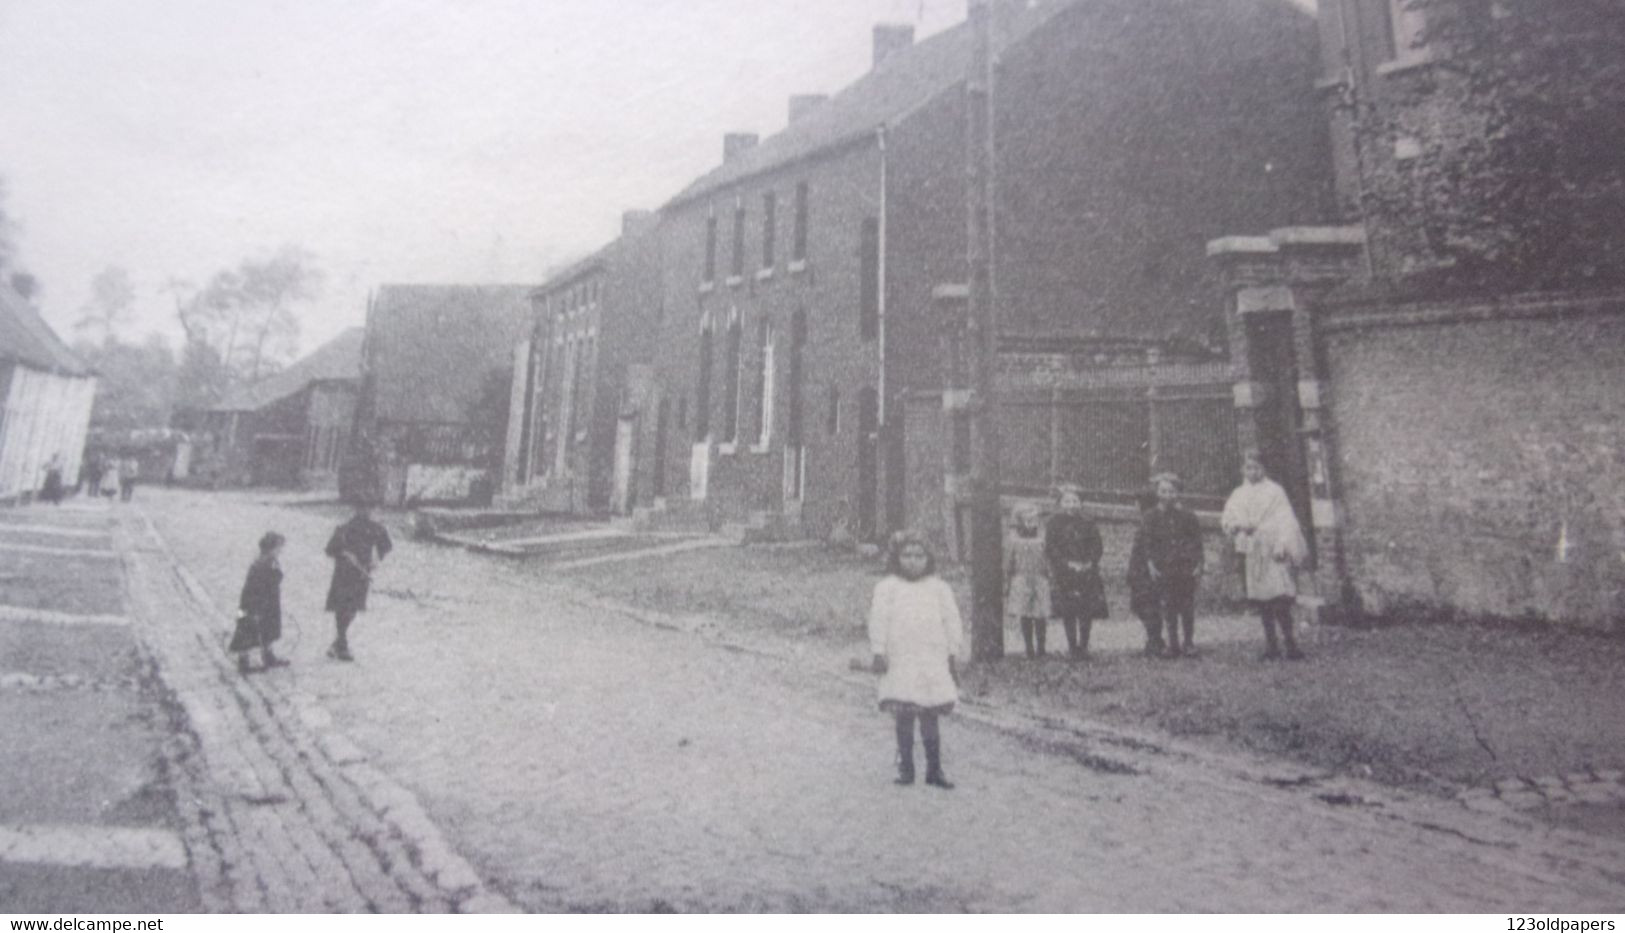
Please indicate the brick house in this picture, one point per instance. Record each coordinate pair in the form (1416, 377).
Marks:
(435, 383)
(579, 395)
(798, 275)
(289, 429)
(1438, 379)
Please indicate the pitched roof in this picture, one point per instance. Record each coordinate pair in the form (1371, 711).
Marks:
(432, 350)
(339, 358)
(25, 338)
(902, 83)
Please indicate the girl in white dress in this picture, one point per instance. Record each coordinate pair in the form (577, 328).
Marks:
(1259, 519)
(914, 633)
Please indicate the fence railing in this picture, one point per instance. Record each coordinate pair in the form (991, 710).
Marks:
(1111, 440)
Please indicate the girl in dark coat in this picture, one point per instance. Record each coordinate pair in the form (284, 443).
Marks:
(356, 547)
(1173, 553)
(259, 623)
(1072, 544)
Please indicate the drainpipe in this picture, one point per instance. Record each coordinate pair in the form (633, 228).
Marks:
(880, 286)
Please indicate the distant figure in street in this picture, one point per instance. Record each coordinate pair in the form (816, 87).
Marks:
(1173, 555)
(356, 548)
(259, 620)
(1072, 545)
(1142, 593)
(1259, 519)
(129, 471)
(51, 491)
(914, 633)
(110, 479)
(95, 468)
(1026, 579)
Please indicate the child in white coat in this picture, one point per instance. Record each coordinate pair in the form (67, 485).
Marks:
(914, 633)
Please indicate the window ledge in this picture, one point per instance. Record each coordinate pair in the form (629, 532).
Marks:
(763, 274)
(762, 448)
(734, 281)
(707, 287)
(798, 265)
(1410, 61)
(727, 449)
(1333, 83)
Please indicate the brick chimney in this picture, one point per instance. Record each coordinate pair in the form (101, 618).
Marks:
(733, 144)
(891, 38)
(634, 223)
(803, 104)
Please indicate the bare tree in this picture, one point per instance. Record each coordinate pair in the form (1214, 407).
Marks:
(246, 316)
(112, 296)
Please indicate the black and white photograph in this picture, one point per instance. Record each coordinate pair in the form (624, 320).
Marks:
(847, 457)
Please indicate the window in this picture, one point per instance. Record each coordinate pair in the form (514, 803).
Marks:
(869, 282)
(682, 413)
(798, 246)
(798, 343)
(739, 240)
(770, 205)
(711, 248)
(832, 421)
(731, 366)
(763, 428)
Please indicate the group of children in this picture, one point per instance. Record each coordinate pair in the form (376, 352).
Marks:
(355, 547)
(1053, 571)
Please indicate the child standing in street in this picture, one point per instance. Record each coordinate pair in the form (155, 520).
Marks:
(914, 634)
(356, 548)
(1026, 579)
(259, 622)
(1173, 553)
(1073, 546)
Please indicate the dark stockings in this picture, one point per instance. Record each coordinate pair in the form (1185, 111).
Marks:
(1277, 614)
(1077, 634)
(344, 618)
(929, 737)
(1033, 632)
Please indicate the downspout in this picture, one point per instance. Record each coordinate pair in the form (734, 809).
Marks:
(880, 285)
(1354, 50)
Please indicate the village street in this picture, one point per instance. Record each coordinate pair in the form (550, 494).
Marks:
(505, 743)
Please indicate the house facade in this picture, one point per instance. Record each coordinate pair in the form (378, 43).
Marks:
(46, 393)
(1444, 359)
(580, 389)
(436, 377)
(794, 313)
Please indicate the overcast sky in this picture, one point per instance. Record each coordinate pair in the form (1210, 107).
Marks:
(398, 140)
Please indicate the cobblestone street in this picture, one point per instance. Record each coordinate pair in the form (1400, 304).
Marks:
(581, 758)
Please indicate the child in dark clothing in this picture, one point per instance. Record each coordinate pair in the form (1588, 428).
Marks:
(259, 623)
(1073, 546)
(1142, 597)
(1173, 553)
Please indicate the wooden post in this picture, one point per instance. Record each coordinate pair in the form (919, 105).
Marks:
(986, 523)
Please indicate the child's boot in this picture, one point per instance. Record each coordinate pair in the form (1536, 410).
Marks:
(933, 764)
(1040, 630)
(1027, 635)
(1070, 626)
(1085, 627)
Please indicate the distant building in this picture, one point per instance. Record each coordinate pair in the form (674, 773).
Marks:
(289, 429)
(46, 394)
(437, 369)
(581, 381)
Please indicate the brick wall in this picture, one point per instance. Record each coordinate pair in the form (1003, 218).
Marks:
(1478, 451)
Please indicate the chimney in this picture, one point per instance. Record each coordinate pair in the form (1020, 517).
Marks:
(891, 38)
(803, 104)
(636, 223)
(733, 144)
